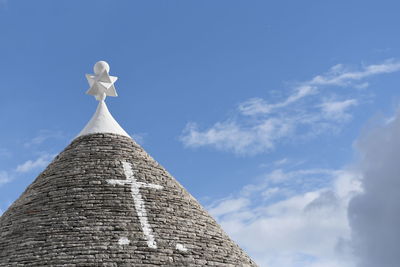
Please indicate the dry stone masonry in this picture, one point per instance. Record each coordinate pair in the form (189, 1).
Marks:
(105, 202)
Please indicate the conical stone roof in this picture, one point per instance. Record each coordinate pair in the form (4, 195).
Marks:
(104, 201)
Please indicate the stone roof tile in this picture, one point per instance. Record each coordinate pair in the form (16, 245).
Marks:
(104, 201)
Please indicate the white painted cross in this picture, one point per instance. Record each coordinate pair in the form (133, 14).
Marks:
(138, 201)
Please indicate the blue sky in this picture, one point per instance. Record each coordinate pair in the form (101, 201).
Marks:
(259, 108)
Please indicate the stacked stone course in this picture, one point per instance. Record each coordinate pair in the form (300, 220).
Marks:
(72, 216)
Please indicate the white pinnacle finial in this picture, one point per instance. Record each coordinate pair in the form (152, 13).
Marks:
(101, 83)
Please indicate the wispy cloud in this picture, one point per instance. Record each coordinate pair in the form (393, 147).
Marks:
(228, 206)
(30, 165)
(340, 75)
(337, 110)
(285, 225)
(256, 106)
(233, 136)
(43, 136)
(258, 125)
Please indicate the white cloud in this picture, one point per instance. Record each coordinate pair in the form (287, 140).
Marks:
(375, 215)
(307, 228)
(281, 162)
(6, 176)
(228, 206)
(270, 192)
(233, 136)
(256, 106)
(339, 75)
(30, 165)
(43, 136)
(337, 109)
(42, 161)
(258, 125)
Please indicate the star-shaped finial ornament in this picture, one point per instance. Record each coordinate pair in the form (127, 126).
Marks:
(101, 83)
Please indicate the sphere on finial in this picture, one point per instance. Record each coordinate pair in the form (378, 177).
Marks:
(100, 66)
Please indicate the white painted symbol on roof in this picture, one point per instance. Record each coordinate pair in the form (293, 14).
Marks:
(123, 241)
(138, 201)
(181, 247)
